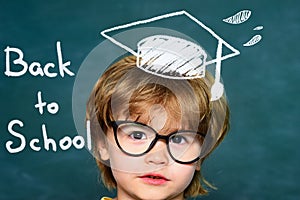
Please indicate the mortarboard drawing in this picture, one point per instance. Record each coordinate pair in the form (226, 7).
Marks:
(174, 57)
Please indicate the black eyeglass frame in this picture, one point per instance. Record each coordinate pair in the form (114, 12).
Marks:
(116, 124)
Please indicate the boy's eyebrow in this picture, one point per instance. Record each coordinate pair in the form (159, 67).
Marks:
(141, 120)
(134, 120)
(137, 119)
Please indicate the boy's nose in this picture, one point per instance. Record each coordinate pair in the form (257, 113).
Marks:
(158, 155)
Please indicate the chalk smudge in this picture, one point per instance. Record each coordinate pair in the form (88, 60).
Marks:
(239, 17)
(254, 40)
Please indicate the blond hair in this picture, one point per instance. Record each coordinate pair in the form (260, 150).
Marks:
(139, 88)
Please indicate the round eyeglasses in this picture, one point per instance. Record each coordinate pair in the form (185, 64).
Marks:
(137, 139)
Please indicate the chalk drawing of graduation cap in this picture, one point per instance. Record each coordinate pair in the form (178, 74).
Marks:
(173, 57)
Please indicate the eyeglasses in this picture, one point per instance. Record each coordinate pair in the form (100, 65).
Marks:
(137, 139)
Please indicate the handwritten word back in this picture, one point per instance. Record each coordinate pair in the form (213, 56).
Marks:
(35, 68)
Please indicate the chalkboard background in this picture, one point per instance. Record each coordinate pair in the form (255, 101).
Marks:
(260, 157)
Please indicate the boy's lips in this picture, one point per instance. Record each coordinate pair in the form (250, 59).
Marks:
(154, 179)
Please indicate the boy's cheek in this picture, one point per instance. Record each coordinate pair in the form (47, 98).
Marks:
(122, 162)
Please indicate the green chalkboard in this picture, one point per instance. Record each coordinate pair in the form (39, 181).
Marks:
(259, 158)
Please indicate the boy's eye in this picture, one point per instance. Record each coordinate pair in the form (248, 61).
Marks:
(178, 139)
(138, 135)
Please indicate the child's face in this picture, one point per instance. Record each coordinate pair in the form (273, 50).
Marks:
(154, 175)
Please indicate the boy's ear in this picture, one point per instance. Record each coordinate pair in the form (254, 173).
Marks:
(103, 151)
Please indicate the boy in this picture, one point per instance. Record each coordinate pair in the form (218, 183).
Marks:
(151, 134)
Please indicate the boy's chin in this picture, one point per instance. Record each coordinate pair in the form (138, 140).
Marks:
(152, 195)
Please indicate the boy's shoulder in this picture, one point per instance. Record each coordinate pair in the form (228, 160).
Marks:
(106, 198)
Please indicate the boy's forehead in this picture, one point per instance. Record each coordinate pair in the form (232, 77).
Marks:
(155, 101)
(158, 116)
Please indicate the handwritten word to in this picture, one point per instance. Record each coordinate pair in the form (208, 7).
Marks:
(51, 107)
(35, 68)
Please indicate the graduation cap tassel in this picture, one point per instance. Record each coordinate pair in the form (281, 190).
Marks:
(217, 88)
